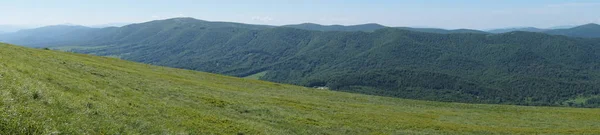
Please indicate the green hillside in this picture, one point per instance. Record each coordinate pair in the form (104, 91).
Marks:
(519, 68)
(512, 68)
(50, 92)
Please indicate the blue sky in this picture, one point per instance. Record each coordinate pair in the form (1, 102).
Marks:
(451, 14)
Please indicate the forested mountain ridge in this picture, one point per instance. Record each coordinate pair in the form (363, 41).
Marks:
(52, 92)
(317, 27)
(48, 35)
(591, 30)
(521, 68)
(442, 31)
(526, 29)
(373, 26)
(66, 35)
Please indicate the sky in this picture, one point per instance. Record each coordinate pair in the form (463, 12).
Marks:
(449, 14)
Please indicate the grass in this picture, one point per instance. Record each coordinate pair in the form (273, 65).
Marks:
(257, 76)
(52, 92)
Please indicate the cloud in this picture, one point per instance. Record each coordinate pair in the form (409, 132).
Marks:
(262, 18)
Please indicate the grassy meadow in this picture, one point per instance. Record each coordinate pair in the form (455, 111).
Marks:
(52, 92)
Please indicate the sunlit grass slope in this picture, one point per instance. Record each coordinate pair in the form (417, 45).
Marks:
(45, 91)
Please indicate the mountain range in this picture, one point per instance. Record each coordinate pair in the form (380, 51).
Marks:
(522, 68)
(527, 29)
(591, 30)
(573, 31)
(317, 27)
(109, 25)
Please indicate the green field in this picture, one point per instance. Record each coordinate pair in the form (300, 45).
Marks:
(51, 92)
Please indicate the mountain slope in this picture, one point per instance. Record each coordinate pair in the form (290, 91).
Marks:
(317, 27)
(475, 68)
(49, 35)
(66, 35)
(520, 68)
(44, 92)
(526, 29)
(109, 25)
(373, 27)
(591, 30)
(442, 31)
(585, 31)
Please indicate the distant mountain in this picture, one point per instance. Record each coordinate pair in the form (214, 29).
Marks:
(585, 31)
(527, 29)
(373, 27)
(109, 25)
(591, 30)
(49, 35)
(562, 27)
(441, 31)
(317, 27)
(65, 35)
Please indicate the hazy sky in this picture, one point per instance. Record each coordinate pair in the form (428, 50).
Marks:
(476, 14)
